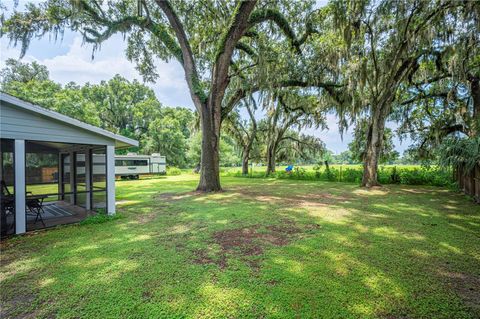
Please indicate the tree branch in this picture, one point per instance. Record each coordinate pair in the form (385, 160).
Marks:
(229, 40)
(198, 95)
(241, 93)
(262, 15)
(246, 48)
(424, 96)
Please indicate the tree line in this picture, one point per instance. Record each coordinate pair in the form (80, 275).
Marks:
(131, 109)
(415, 62)
(124, 107)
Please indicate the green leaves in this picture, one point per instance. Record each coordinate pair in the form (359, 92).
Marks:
(460, 152)
(168, 135)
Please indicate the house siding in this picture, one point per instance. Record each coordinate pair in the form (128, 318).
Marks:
(16, 123)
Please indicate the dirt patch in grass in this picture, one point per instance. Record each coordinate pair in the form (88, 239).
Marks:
(177, 196)
(466, 286)
(203, 258)
(272, 282)
(143, 219)
(147, 295)
(248, 242)
(243, 241)
(22, 299)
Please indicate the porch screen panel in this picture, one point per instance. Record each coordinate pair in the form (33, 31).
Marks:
(67, 190)
(41, 172)
(99, 179)
(7, 176)
(41, 181)
(81, 187)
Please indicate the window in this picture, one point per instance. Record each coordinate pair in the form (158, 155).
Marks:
(131, 162)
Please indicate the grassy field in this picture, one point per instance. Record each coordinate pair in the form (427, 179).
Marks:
(264, 248)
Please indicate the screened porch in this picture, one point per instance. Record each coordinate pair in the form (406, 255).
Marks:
(54, 169)
(64, 183)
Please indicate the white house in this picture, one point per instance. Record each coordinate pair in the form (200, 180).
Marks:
(47, 162)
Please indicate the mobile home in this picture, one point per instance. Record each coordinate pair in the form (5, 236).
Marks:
(133, 165)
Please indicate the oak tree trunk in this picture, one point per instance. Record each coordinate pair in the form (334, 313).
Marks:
(271, 153)
(210, 167)
(374, 147)
(245, 157)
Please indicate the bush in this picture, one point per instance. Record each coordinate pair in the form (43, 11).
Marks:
(317, 169)
(172, 171)
(330, 174)
(426, 176)
(351, 175)
(394, 176)
(383, 175)
(299, 172)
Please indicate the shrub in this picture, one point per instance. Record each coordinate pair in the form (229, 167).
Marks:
(412, 177)
(351, 175)
(426, 176)
(394, 176)
(172, 171)
(383, 175)
(299, 172)
(330, 174)
(317, 169)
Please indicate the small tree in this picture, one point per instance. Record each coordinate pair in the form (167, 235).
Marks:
(288, 110)
(243, 132)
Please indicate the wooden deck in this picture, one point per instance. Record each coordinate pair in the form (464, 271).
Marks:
(77, 215)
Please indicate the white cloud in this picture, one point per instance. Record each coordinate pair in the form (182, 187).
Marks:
(331, 136)
(77, 65)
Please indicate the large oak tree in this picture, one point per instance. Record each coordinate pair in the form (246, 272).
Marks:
(385, 43)
(213, 41)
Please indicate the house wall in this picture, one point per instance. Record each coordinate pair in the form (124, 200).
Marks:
(16, 123)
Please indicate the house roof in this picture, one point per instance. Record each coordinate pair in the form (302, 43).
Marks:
(120, 141)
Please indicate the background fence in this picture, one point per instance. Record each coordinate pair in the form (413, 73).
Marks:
(469, 182)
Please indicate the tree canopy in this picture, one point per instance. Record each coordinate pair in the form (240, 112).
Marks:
(370, 62)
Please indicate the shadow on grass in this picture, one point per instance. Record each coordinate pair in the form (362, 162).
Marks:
(394, 252)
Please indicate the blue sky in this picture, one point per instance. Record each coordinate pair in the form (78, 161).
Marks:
(68, 59)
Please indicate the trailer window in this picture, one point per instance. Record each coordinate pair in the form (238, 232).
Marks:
(131, 163)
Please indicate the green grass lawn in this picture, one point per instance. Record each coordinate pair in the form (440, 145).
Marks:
(264, 248)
